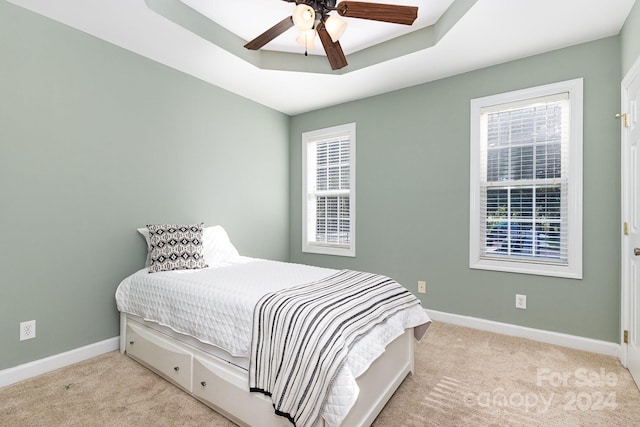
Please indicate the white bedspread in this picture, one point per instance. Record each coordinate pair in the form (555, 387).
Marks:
(215, 305)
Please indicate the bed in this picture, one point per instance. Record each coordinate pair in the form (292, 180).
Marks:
(195, 326)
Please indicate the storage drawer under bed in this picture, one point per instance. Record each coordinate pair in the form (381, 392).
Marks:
(224, 386)
(157, 352)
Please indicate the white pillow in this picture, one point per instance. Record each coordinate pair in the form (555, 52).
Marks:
(217, 248)
(145, 233)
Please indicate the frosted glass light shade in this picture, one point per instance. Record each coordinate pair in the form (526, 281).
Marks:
(335, 27)
(303, 17)
(307, 38)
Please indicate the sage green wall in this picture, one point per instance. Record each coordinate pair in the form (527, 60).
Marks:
(630, 39)
(96, 141)
(413, 193)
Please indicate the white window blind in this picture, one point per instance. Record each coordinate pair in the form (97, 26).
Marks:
(332, 192)
(328, 172)
(524, 152)
(526, 181)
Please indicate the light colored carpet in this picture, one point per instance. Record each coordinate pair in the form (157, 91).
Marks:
(463, 377)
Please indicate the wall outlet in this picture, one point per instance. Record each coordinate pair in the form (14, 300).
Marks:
(27, 330)
(422, 287)
(521, 301)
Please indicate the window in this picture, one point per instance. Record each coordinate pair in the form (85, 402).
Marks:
(329, 177)
(526, 181)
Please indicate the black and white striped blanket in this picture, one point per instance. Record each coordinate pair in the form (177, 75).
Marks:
(301, 337)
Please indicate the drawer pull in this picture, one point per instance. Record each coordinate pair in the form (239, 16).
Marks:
(204, 383)
(131, 342)
(177, 368)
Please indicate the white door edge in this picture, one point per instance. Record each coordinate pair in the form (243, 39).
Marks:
(625, 287)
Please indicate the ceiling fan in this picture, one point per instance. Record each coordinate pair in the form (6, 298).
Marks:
(312, 17)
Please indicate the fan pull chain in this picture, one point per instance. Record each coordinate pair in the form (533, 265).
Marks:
(306, 42)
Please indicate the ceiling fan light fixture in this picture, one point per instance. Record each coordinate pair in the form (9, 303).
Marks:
(335, 27)
(303, 17)
(315, 15)
(307, 38)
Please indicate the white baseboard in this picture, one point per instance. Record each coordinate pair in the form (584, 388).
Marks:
(42, 366)
(564, 340)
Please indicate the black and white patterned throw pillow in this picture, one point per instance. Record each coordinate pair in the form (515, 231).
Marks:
(175, 247)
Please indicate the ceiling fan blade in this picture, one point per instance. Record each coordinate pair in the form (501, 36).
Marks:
(378, 12)
(270, 34)
(334, 52)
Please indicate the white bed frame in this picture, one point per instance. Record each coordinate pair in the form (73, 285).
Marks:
(223, 386)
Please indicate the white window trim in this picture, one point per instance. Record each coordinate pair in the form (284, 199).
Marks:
(311, 137)
(574, 267)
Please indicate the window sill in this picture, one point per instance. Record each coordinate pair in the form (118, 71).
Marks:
(347, 251)
(539, 269)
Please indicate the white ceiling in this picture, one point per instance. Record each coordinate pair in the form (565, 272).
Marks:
(491, 32)
(264, 14)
